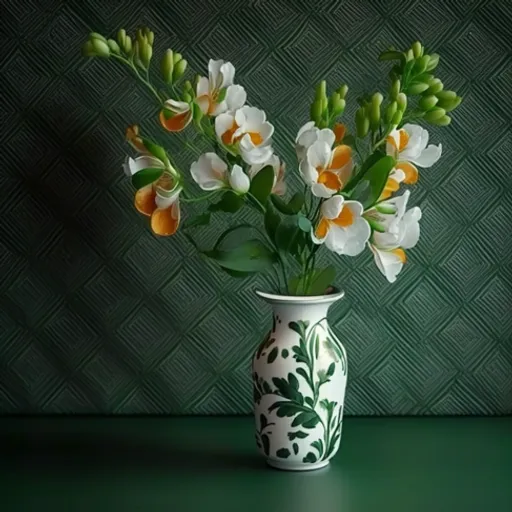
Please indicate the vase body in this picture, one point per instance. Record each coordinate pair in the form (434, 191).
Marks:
(299, 378)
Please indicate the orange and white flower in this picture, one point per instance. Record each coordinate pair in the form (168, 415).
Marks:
(308, 135)
(249, 130)
(398, 229)
(279, 187)
(211, 173)
(158, 200)
(135, 140)
(342, 227)
(176, 115)
(217, 93)
(326, 170)
(408, 146)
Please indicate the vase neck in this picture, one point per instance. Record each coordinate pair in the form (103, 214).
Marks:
(307, 312)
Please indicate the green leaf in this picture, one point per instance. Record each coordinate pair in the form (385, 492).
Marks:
(390, 55)
(248, 256)
(273, 355)
(297, 435)
(262, 184)
(308, 419)
(266, 444)
(286, 409)
(294, 383)
(349, 140)
(330, 370)
(230, 203)
(304, 224)
(371, 160)
(222, 95)
(319, 281)
(288, 389)
(361, 191)
(146, 177)
(156, 150)
(377, 176)
(309, 401)
(271, 221)
(293, 206)
(295, 447)
(199, 220)
(289, 238)
(263, 421)
(283, 453)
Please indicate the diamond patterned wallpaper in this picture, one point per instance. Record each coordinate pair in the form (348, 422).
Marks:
(98, 316)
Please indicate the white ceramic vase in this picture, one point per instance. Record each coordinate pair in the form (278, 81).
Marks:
(299, 378)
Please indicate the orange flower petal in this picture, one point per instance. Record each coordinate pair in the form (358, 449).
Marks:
(401, 254)
(391, 186)
(404, 140)
(341, 156)
(165, 221)
(227, 136)
(256, 138)
(145, 200)
(177, 122)
(322, 228)
(339, 131)
(410, 171)
(345, 218)
(330, 180)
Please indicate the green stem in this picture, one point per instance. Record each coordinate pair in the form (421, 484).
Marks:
(200, 198)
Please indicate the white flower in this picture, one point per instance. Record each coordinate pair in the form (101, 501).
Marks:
(176, 115)
(250, 130)
(409, 147)
(238, 180)
(279, 187)
(342, 227)
(217, 94)
(308, 135)
(211, 173)
(326, 170)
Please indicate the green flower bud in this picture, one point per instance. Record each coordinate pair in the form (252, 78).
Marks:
(321, 90)
(88, 50)
(417, 88)
(342, 91)
(362, 123)
(434, 114)
(141, 38)
(197, 115)
(395, 89)
(390, 111)
(121, 37)
(397, 118)
(390, 55)
(95, 35)
(316, 111)
(187, 87)
(435, 86)
(449, 104)
(166, 66)
(424, 77)
(150, 36)
(446, 95)
(337, 104)
(186, 97)
(375, 115)
(417, 49)
(421, 64)
(442, 121)
(401, 101)
(136, 54)
(114, 47)
(176, 58)
(433, 61)
(409, 55)
(428, 102)
(179, 69)
(146, 54)
(100, 48)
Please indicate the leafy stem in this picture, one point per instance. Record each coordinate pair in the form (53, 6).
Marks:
(200, 198)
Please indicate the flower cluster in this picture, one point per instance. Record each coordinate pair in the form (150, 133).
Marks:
(355, 184)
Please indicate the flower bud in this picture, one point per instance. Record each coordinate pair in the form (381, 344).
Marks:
(128, 47)
(114, 47)
(397, 118)
(390, 55)
(401, 101)
(337, 104)
(442, 121)
(449, 104)
(433, 61)
(435, 86)
(121, 37)
(88, 50)
(179, 69)
(421, 64)
(342, 91)
(321, 90)
(187, 97)
(409, 55)
(446, 95)
(390, 111)
(428, 102)
(141, 38)
(362, 123)
(166, 66)
(417, 88)
(151, 37)
(100, 48)
(95, 35)
(316, 111)
(417, 49)
(395, 89)
(176, 58)
(434, 114)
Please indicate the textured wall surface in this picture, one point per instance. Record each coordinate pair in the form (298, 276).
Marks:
(99, 316)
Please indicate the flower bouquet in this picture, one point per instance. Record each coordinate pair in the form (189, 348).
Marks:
(354, 196)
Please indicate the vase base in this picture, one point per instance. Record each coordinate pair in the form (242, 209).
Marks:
(296, 466)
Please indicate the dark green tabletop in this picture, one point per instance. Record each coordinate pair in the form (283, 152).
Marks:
(199, 464)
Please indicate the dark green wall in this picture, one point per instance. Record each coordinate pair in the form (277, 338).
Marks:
(97, 315)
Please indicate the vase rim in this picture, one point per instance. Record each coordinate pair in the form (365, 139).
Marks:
(273, 298)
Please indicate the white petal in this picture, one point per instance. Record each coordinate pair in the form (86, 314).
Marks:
(332, 207)
(320, 190)
(355, 207)
(390, 148)
(223, 123)
(235, 97)
(309, 173)
(178, 107)
(228, 74)
(415, 133)
(319, 154)
(327, 136)
(220, 108)
(305, 128)
(202, 87)
(214, 75)
(411, 228)
(127, 166)
(336, 239)
(163, 201)
(145, 162)
(209, 172)
(250, 118)
(428, 157)
(204, 103)
(357, 236)
(256, 155)
(238, 180)
(398, 175)
(388, 263)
